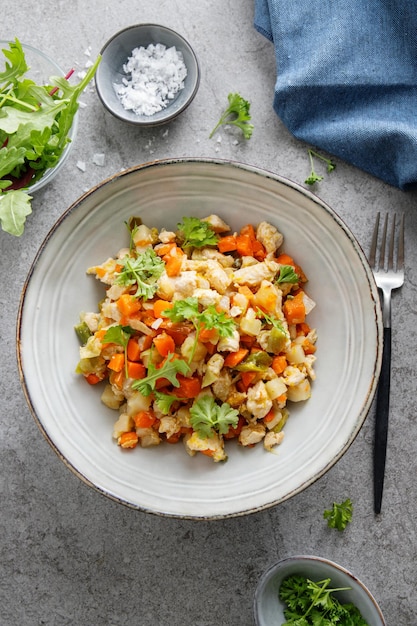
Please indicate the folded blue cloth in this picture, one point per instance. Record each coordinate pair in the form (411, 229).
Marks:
(347, 79)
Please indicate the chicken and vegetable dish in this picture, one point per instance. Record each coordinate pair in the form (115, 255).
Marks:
(201, 336)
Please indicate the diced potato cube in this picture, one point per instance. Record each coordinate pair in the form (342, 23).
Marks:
(299, 392)
(275, 388)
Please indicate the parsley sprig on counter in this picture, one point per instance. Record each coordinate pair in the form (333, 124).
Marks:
(236, 114)
(340, 515)
(313, 176)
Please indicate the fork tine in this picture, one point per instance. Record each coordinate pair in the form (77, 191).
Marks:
(400, 259)
(391, 245)
(381, 260)
(374, 241)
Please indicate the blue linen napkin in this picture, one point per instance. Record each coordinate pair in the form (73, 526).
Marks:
(347, 79)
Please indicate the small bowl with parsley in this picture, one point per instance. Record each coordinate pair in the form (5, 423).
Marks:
(313, 590)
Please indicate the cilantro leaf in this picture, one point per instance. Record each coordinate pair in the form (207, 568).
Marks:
(339, 515)
(237, 113)
(287, 274)
(188, 309)
(206, 416)
(196, 233)
(169, 370)
(142, 271)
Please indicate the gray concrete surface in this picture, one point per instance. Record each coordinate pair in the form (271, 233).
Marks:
(69, 555)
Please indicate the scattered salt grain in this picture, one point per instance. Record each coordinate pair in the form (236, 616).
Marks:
(98, 159)
(157, 74)
(81, 165)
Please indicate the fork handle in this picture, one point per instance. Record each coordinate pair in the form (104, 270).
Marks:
(381, 421)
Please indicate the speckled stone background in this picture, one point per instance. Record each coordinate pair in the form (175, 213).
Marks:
(68, 555)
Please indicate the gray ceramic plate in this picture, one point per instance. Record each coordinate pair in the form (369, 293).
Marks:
(165, 480)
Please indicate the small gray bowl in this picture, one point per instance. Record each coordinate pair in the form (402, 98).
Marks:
(269, 610)
(115, 54)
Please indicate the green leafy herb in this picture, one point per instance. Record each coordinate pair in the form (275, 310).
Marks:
(314, 177)
(287, 274)
(339, 515)
(196, 233)
(35, 121)
(274, 321)
(237, 113)
(119, 335)
(164, 401)
(206, 416)
(313, 603)
(142, 271)
(210, 318)
(169, 370)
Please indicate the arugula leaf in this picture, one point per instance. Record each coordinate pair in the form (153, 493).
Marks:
(207, 416)
(119, 335)
(164, 401)
(143, 270)
(196, 233)
(169, 370)
(237, 113)
(340, 515)
(287, 274)
(14, 207)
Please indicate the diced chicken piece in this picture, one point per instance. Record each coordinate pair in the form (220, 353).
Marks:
(258, 401)
(177, 287)
(216, 223)
(269, 236)
(217, 277)
(272, 439)
(251, 434)
(207, 297)
(236, 398)
(229, 344)
(110, 310)
(105, 272)
(166, 236)
(253, 275)
(169, 425)
(213, 368)
(308, 363)
(293, 376)
(222, 387)
(213, 444)
(200, 254)
(91, 319)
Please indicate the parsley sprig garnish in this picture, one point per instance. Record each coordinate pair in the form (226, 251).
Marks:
(314, 177)
(340, 515)
(287, 274)
(142, 271)
(310, 603)
(206, 416)
(237, 114)
(196, 233)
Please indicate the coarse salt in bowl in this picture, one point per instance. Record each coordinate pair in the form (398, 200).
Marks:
(148, 75)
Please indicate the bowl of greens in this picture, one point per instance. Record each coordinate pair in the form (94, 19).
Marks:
(38, 125)
(313, 590)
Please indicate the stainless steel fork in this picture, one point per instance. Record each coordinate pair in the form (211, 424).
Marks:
(388, 270)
